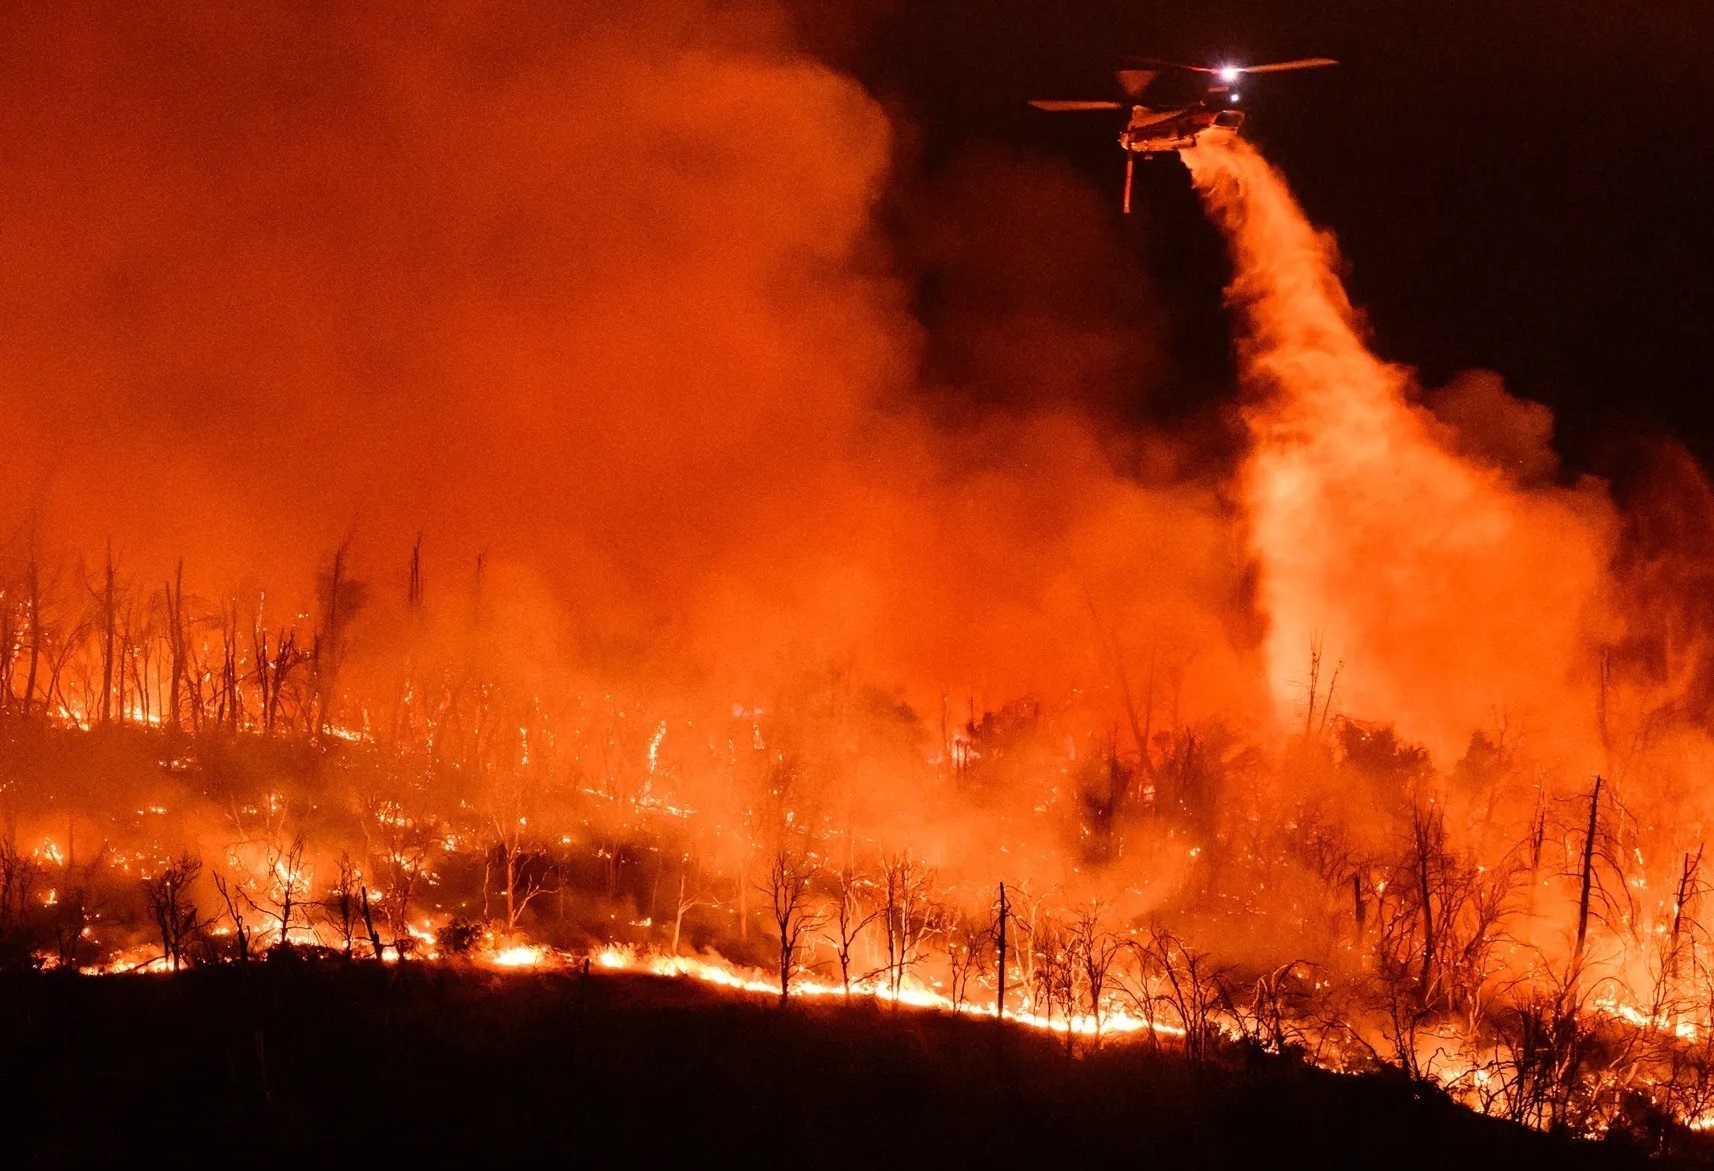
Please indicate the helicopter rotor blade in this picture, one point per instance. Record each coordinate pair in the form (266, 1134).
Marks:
(1158, 63)
(1272, 67)
(1282, 66)
(1072, 107)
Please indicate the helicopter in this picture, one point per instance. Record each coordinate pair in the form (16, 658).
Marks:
(1175, 107)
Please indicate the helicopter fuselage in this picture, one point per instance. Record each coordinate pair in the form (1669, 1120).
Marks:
(1153, 132)
(1174, 107)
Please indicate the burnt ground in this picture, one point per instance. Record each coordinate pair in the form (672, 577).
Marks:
(298, 1063)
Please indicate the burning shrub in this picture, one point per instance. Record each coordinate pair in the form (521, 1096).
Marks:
(458, 937)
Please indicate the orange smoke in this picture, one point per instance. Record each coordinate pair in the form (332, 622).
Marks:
(599, 294)
(604, 296)
(1454, 595)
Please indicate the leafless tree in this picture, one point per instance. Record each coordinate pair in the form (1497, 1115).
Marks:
(1190, 990)
(232, 896)
(1434, 928)
(369, 925)
(59, 645)
(968, 952)
(19, 873)
(1053, 989)
(1004, 942)
(1313, 691)
(405, 698)
(33, 625)
(137, 643)
(172, 905)
(690, 896)
(283, 891)
(907, 915)
(75, 906)
(1603, 895)
(851, 915)
(11, 626)
(107, 622)
(1136, 983)
(273, 669)
(526, 869)
(787, 888)
(1279, 1004)
(398, 847)
(1543, 1050)
(173, 613)
(341, 597)
(343, 907)
(1093, 951)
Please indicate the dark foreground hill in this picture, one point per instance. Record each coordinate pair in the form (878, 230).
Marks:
(288, 1064)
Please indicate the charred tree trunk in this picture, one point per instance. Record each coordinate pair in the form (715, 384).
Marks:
(8, 651)
(414, 588)
(1424, 850)
(325, 652)
(1681, 901)
(1428, 843)
(175, 646)
(1586, 879)
(369, 925)
(404, 705)
(229, 670)
(33, 599)
(1538, 835)
(342, 598)
(109, 622)
(678, 914)
(511, 848)
(744, 899)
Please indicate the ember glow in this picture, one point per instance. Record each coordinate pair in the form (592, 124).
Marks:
(550, 550)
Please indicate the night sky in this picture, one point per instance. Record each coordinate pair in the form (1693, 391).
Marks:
(1517, 186)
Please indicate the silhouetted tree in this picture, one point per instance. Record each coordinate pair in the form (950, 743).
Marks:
(173, 907)
(787, 888)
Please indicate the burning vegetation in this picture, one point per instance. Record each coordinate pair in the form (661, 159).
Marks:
(1380, 746)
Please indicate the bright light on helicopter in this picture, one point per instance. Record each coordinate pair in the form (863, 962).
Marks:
(1230, 73)
(1233, 98)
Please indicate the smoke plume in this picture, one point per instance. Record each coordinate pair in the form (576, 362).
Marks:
(1454, 595)
(597, 292)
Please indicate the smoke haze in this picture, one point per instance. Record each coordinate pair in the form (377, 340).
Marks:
(604, 294)
(597, 291)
